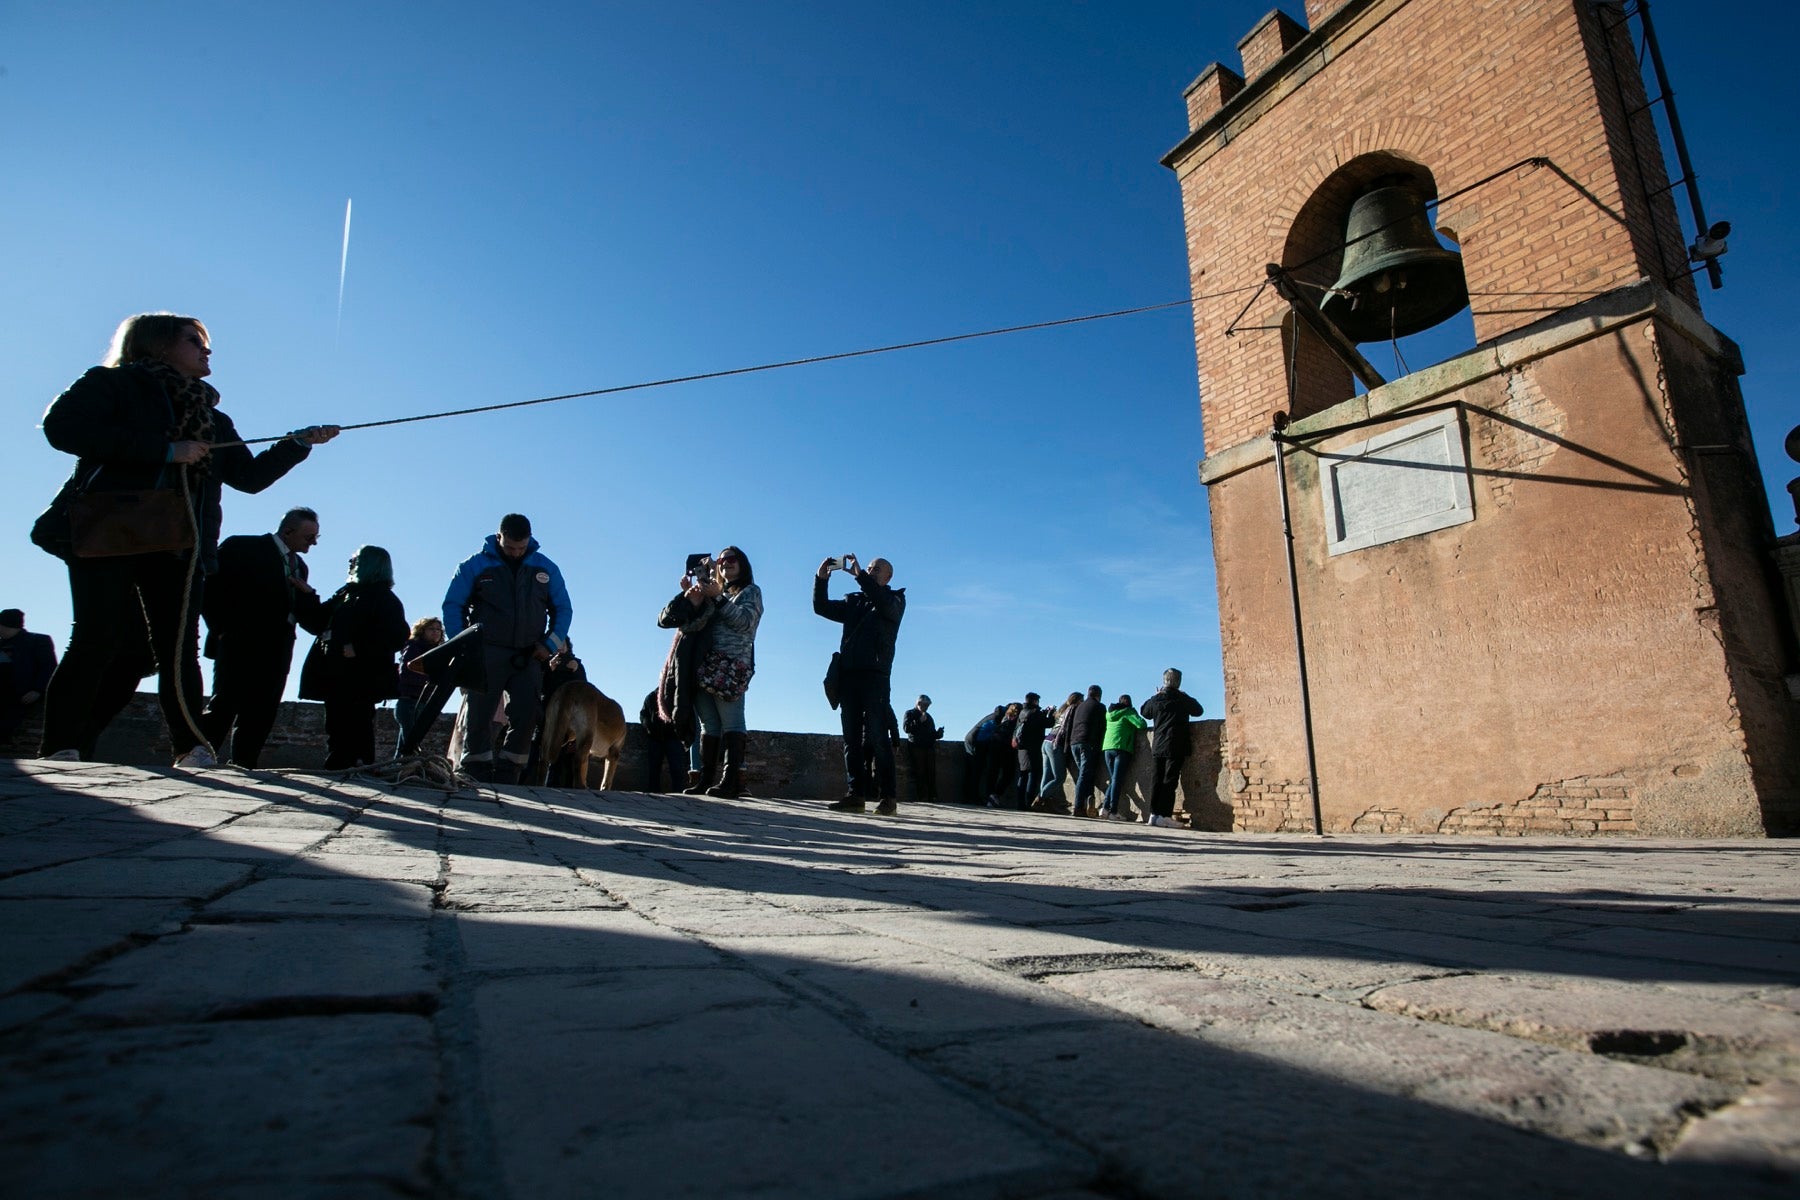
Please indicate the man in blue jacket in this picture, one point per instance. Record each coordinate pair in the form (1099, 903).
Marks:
(871, 621)
(517, 596)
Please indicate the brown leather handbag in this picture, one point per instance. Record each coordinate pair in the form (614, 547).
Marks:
(109, 524)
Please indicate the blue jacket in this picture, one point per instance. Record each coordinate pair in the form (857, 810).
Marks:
(516, 610)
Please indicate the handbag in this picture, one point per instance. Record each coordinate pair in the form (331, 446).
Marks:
(109, 524)
(724, 676)
(834, 679)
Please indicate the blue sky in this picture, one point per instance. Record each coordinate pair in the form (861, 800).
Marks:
(566, 197)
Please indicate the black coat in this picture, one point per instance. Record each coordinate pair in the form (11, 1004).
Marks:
(1087, 724)
(920, 727)
(1028, 734)
(370, 618)
(247, 600)
(679, 688)
(116, 421)
(871, 620)
(1170, 709)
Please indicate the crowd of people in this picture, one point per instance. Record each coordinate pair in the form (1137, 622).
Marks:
(138, 525)
(1020, 755)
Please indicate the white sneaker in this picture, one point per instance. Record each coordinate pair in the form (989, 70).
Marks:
(1164, 822)
(69, 755)
(199, 758)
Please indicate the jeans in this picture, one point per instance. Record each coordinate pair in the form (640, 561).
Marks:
(1087, 771)
(1056, 765)
(404, 711)
(719, 716)
(1118, 763)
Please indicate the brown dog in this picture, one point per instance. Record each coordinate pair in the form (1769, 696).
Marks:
(583, 717)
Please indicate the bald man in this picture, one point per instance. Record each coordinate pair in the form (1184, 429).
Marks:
(871, 620)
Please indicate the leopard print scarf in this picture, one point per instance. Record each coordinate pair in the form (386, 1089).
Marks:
(193, 401)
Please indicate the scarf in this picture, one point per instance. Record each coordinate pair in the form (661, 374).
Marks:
(193, 401)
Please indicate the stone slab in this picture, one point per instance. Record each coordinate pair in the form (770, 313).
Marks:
(326, 897)
(297, 1107)
(524, 893)
(1533, 1087)
(1741, 1042)
(574, 940)
(213, 969)
(41, 938)
(642, 1080)
(188, 879)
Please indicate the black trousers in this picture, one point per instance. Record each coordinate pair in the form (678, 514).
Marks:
(247, 686)
(1162, 787)
(349, 732)
(924, 770)
(116, 601)
(1031, 774)
(862, 711)
(661, 752)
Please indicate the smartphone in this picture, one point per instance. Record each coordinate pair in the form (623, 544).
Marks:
(835, 564)
(697, 563)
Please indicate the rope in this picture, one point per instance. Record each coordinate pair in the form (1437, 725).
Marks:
(771, 366)
(187, 599)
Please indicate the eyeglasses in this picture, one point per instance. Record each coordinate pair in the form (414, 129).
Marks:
(730, 558)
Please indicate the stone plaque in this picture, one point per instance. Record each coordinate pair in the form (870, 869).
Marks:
(1397, 484)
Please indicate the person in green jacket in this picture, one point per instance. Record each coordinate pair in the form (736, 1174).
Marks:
(1122, 725)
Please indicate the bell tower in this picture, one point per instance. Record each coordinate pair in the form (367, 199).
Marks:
(1529, 588)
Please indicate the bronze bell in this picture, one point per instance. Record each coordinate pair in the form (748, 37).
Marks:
(1396, 279)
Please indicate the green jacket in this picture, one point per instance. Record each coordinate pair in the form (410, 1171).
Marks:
(1122, 725)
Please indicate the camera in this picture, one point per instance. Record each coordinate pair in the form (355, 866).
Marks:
(697, 563)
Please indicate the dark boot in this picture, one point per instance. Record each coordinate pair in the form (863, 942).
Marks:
(709, 765)
(505, 771)
(731, 783)
(480, 772)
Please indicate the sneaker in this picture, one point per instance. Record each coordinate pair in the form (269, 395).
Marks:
(69, 755)
(849, 804)
(199, 758)
(887, 808)
(1164, 822)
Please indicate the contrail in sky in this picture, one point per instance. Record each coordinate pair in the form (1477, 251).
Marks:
(343, 266)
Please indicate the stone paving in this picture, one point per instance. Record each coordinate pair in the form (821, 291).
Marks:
(228, 984)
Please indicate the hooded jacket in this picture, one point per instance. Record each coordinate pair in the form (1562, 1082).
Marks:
(517, 610)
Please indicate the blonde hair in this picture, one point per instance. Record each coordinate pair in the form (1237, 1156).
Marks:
(147, 335)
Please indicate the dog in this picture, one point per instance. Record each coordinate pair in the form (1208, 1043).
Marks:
(583, 718)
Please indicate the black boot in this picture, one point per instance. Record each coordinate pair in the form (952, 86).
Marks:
(731, 784)
(505, 771)
(709, 764)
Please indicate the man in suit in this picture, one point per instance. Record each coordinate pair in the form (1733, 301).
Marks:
(253, 603)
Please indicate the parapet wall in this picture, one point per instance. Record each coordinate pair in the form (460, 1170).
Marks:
(790, 765)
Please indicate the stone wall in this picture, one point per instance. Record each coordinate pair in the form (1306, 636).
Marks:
(790, 765)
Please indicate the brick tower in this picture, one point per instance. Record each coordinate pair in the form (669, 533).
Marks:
(1533, 580)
